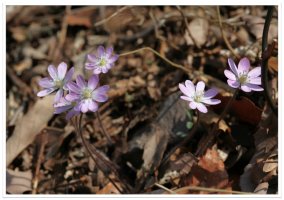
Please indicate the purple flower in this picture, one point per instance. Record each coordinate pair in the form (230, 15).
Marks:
(242, 78)
(58, 81)
(102, 61)
(64, 105)
(86, 93)
(197, 97)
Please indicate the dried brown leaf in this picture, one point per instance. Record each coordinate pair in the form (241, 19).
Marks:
(27, 128)
(18, 182)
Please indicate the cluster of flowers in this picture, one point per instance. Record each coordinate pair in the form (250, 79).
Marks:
(80, 96)
(240, 77)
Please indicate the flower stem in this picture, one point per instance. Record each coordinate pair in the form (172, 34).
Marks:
(103, 129)
(211, 135)
(93, 151)
(158, 54)
(186, 140)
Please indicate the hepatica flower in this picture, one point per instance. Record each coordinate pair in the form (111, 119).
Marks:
(86, 93)
(242, 77)
(57, 81)
(197, 97)
(102, 61)
(64, 105)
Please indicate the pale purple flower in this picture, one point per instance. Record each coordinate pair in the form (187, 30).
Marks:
(87, 94)
(57, 81)
(242, 77)
(197, 97)
(102, 61)
(64, 105)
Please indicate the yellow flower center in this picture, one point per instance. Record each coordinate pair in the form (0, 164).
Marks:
(243, 78)
(198, 96)
(103, 62)
(87, 93)
(58, 83)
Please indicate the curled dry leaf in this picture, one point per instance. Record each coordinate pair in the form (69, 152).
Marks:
(210, 172)
(109, 189)
(27, 128)
(18, 182)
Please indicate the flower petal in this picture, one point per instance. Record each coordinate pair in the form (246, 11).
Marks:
(255, 72)
(72, 97)
(210, 93)
(93, 81)
(62, 109)
(93, 106)
(256, 81)
(99, 94)
(61, 70)
(230, 75)
(211, 101)
(45, 92)
(59, 95)
(190, 86)
(233, 84)
(201, 107)
(100, 51)
(92, 57)
(52, 72)
(200, 86)
(84, 105)
(97, 70)
(186, 98)
(69, 75)
(46, 83)
(73, 87)
(254, 87)
(185, 90)
(192, 105)
(233, 66)
(113, 58)
(245, 88)
(81, 82)
(104, 70)
(89, 66)
(71, 113)
(109, 51)
(244, 65)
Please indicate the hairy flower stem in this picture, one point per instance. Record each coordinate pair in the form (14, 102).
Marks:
(103, 129)
(93, 151)
(189, 136)
(212, 135)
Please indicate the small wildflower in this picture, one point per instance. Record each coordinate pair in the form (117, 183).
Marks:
(242, 77)
(57, 81)
(64, 105)
(197, 97)
(102, 61)
(86, 94)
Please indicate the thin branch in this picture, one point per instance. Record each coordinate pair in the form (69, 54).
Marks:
(103, 129)
(187, 27)
(264, 68)
(111, 16)
(198, 188)
(224, 34)
(164, 188)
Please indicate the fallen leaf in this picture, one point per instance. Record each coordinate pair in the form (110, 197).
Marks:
(210, 172)
(18, 182)
(244, 109)
(273, 63)
(109, 189)
(199, 30)
(27, 128)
